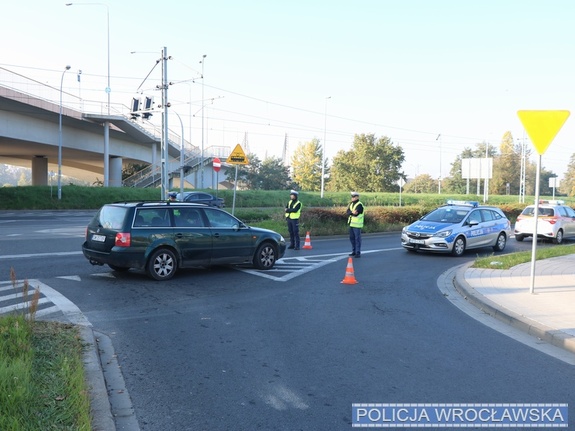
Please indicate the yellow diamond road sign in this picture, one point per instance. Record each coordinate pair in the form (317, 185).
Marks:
(542, 126)
(237, 157)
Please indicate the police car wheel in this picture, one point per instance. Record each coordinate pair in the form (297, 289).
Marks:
(458, 246)
(500, 243)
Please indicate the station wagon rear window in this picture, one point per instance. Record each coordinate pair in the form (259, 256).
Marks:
(112, 217)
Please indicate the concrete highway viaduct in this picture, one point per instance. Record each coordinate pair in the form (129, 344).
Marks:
(30, 137)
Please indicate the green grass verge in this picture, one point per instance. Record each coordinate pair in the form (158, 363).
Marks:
(507, 261)
(79, 197)
(42, 383)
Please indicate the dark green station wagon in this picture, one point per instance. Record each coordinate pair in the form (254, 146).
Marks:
(160, 237)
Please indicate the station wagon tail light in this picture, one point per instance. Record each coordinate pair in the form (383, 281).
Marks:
(123, 239)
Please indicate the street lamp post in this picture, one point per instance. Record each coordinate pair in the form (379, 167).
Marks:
(108, 92)
(165, 136)
(203, 61)
(60, 137)
(323, 146)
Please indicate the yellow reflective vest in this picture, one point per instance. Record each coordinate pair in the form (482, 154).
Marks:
(292, 204)
(356, 221)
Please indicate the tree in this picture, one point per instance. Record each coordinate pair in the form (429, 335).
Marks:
(132, 168)
(455, 183)
(306, 165)
(23, 181)
(568, 183)
(423, 183)
(271, 174)
(506, 168)
(372, 165)
(247, 174)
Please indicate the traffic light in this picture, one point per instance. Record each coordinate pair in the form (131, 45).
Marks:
(135, 108)
(148, 106)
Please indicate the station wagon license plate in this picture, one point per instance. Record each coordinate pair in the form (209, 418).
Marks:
(416, 241)
(98, 238)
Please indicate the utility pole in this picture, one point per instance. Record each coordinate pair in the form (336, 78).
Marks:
(165, 105)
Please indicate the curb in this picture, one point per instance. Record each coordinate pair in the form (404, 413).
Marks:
(552, 336)
(100, 408)
(116, 392)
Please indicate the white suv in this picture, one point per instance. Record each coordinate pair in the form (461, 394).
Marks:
(555, 221)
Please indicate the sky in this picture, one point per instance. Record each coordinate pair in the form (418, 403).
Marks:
(434, 76)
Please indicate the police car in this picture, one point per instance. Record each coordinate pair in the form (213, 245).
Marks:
(456, 227)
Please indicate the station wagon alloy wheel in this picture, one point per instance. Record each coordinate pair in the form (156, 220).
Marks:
(162, 265)
(265, 257)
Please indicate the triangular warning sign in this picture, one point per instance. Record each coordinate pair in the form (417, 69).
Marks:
(542, 126)
(237, 157)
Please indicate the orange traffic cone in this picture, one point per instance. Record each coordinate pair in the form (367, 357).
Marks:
(349, 277)
(307, 243)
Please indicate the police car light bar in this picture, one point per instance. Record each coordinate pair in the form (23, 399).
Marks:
(464, 203)
(551, 202)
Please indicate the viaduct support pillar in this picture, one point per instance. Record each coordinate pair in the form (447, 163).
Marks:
(115, 172)
(39, 171)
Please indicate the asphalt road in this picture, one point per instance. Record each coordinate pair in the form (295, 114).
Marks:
(225, 349)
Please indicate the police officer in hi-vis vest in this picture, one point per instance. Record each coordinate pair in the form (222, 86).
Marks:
(355, 222)
(293, 211)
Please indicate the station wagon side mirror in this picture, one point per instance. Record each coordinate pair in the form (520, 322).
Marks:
(472, 222)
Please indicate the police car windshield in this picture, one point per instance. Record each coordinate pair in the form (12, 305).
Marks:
(447, 215)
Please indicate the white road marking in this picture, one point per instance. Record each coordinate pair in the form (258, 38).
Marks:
(54, 253)
(21, 305)
(295, 266)
(48, 295)
(70, 277)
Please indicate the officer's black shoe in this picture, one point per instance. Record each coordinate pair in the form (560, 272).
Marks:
(352, 254)
(358, 255)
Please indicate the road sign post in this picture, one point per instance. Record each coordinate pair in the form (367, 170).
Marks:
(217, 164)
(237, 157)
(542, 127)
